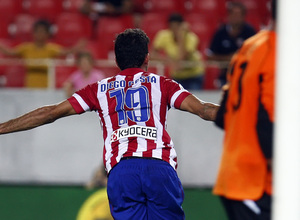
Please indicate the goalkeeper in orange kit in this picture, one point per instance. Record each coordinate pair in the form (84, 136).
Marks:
(244, 182)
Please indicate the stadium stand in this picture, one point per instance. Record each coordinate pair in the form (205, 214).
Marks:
(45, 9)
(8, 9)
(4, 34)
(153, 22)
(69, 25)
(12, 76)
(106, 31)
(165, 6)
(140, 6)
(203, 26)
(211, 8)
(21, 28)
(62, 73)
(210, 78)
(72, 5)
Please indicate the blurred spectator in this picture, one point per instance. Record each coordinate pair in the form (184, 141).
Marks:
(99, 179)
(96, 207)
(106, 7)
(229, 37)
(39, 48)
(86, 74)
(177, 48)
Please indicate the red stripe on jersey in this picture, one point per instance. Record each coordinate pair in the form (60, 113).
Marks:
(175, 159)
(180, 99)
(113, 114)
(160, 91)
(78, 109)
(150, 123)
(166, 151)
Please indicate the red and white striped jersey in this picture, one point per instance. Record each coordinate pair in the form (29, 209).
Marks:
(132, 107)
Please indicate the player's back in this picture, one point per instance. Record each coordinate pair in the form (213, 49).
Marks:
(134, 107)
(251, 84)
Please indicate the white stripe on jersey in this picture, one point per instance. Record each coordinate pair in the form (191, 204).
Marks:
(157, 153)
(141, 142)
(81, 102)
(123, 146)
(174, 97)
(172, 156)
(107, 123)
(153, 84)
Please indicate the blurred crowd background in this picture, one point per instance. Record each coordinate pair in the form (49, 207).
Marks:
(89, 26)
(67, 44)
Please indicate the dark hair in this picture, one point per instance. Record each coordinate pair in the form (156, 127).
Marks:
(42, 23)
(274, 9)
(175, 17)
(240, 5)
(131, 48)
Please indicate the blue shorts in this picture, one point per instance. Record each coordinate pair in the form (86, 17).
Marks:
(140, 189)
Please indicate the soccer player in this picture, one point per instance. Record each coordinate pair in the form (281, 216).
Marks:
(138, 155)
(244, 182)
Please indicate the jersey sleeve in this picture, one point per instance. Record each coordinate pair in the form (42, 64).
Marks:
(175, 93)
(85, 99)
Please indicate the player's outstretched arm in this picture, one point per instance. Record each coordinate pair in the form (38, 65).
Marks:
(205, 110)
(38, 117)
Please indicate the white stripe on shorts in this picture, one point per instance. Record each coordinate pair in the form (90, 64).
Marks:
(253, 206)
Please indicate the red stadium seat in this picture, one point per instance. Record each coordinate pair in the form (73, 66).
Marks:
(6, 43)
(46, 9)
(21, 29)
(93, 48)
(252, 6)
(8, 9)
(13, 76)
(71, 27)
(62, 73)
(4, 33)
(72, 5)
(164, 6)
(204, 27)
(107, 29)
(140, 5)
(109, 71)
(152, 23)
(210, 78)
(211, 8)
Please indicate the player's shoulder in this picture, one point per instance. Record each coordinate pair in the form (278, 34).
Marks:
(260, 38)
(259, 42)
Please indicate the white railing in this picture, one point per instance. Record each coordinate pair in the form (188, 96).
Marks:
(53, 63)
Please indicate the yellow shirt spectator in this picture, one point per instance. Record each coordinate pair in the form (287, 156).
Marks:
(164, 41)
(40, 48)
(95, 207)
(37, 75)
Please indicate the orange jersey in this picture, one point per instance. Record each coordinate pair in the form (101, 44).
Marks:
(248, 120)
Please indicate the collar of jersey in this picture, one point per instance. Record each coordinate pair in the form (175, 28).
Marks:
(131, 71)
